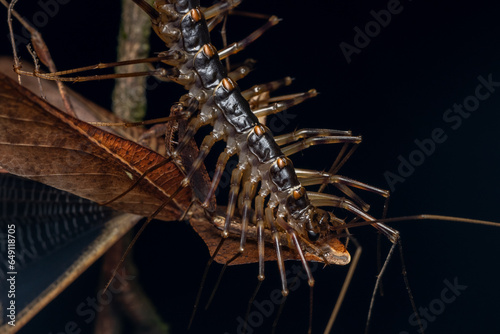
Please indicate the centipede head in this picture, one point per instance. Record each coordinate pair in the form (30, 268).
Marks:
(321, 239)
(316, 228)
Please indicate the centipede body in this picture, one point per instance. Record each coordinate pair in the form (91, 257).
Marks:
(395, 91)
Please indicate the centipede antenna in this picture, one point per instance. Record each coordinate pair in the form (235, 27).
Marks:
(219, 279)
(345, 286)
(203, 279)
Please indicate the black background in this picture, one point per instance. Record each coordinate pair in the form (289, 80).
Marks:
(394, 91)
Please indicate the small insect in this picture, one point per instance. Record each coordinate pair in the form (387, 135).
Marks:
(376, 164)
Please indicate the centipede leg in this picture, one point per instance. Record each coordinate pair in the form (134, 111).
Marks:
(239, 46)
(248, 186)
(194, 125)
(148, 9)
(155, 131)
(320, 199)
(233, 197)
(345, 286)
(259, 216)
(318, 140)
(312, 177)
(247, 204)
(219, 169)
(310, 279)
(307, 133)
(205, 148)
(213, 22)
(266, 87)
(282, 105)
(220, 8)
(223, 34)
(203, 279)
(59, 75)
(276, 239)
(242, 71)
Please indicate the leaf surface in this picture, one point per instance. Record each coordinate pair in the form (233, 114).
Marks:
(42, 143)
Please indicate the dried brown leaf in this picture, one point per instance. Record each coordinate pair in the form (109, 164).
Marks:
(42, 143)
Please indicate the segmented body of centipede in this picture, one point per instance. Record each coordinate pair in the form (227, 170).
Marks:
(265, 186)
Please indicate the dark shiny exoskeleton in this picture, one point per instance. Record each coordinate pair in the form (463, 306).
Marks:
(264, 186)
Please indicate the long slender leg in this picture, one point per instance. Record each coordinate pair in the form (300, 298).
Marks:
(205, 148)
(219, 8)
(310, 279)
(248, 186)
(308, 133)
(132, 124)
(218, 13)
(277, 107)
(276, 239)
(233, 197)
(340, 161)
(345, 286)
(242, 71)
(212, 23)
(219, 169)
(239, 46)
(194, 125)
(320, 199)
(259, 217)
(155, 131)
(247, 204)
(312, 177)
(308, 142)
(169, 73)
(266, 87)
